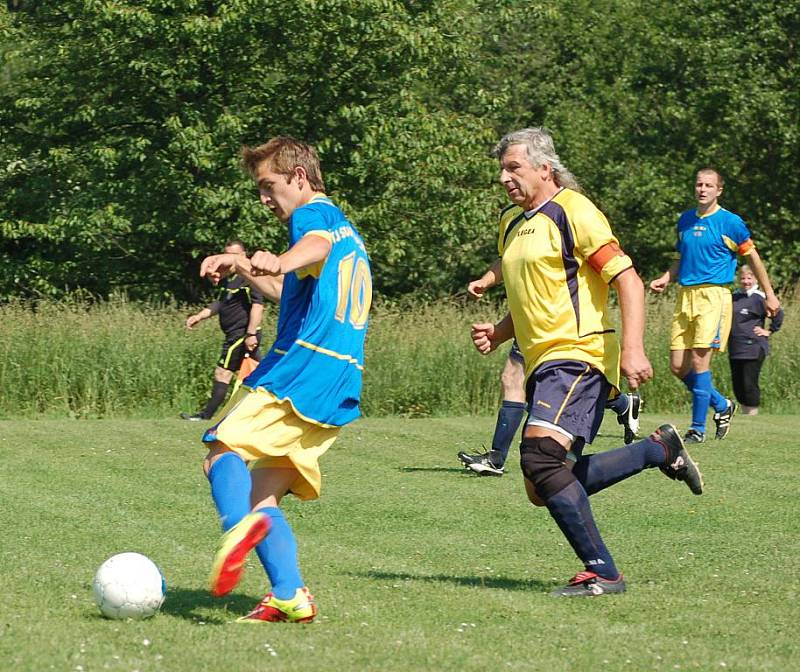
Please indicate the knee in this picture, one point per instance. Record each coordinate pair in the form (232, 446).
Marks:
(543, 463)
(533, 496)
(223, 375)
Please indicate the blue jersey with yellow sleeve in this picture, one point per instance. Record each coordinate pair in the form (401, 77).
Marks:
(317, 360)
(708, 245)
(558, 261)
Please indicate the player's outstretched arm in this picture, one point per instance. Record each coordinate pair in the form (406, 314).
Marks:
(634, 364)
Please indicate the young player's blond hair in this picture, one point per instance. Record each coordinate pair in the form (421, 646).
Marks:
(284, 155)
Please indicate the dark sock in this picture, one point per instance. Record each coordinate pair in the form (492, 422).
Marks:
(571, 511)
(508, 418)
(619, 405)
(218, 392)
(599, 471)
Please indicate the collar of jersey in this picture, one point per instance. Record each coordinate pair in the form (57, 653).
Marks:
(708, 214)
(531, 213)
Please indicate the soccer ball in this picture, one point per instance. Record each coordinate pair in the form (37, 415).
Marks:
(129, 585)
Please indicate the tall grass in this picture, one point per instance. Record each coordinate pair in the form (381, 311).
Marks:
(117, 359)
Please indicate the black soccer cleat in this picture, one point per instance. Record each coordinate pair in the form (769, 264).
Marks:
(679, 466)
(630, 418)
(589, 584)
(694, 436)
(723, 419)
(480, 463)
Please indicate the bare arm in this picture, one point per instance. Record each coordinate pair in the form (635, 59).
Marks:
(492, 277)
(486, 336)
(760, 271)
(634, 364)
(253, 323)
(660, 284)
(199, 316)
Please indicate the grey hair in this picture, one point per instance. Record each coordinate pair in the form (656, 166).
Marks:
(538, 143)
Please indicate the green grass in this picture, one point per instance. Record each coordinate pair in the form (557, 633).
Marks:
(415, 564)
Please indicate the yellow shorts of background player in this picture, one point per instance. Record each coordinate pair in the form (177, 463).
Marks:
(702, 318)
(267, 432)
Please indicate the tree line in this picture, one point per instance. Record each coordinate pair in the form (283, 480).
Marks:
(121, 124)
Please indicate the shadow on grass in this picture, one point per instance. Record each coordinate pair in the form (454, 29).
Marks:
(195, 605)
(450, 469)
(476, 581)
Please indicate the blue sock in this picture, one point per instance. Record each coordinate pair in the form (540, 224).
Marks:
(571, 511)
(508, 418)
(701, 399)
(619, 405)
(718, 402)
(598, 471)
(230, 489)
(278, 555)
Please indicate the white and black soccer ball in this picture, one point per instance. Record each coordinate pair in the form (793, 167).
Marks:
(129, 585)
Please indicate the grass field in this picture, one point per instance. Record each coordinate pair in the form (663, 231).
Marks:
(416, 565)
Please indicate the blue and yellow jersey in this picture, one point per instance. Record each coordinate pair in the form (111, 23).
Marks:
(708, 245)
(557, 264)
(317, 359)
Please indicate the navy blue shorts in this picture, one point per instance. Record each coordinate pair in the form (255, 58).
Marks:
(569, 394)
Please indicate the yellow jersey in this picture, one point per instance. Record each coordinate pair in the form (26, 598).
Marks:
(557, 296)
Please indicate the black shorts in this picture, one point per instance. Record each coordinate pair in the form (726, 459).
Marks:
(233, 352)
(569, 394)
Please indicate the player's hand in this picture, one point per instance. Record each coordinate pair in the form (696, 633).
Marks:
(217, 266)
(483, 337)
(760, 331)
(265, 263)
(660, 284)
(476, 289)
(773, 305)
(636, 368)
(192, 320)
(251, 343)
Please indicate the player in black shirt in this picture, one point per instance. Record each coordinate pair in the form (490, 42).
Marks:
(748, 345)
(240, 308)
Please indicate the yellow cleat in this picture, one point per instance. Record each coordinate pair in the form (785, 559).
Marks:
(300, 609)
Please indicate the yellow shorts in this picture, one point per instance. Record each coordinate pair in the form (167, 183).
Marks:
(266, 432)
(702, 318)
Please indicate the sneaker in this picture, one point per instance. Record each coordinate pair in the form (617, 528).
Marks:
(679, 466)
(693, 436)
(480, 463)
(589, 584)
(723, 420)
(235, 545)
(300, 609)
(196, 417)
(630, 418)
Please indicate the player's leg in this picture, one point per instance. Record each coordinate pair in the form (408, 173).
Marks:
(229, 478)
(509, 417)
(288, 599)
(750, 388)
(567, 401)
(663, 449)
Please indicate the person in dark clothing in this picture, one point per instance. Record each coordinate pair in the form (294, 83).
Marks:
(749, 341)
(240, 308)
